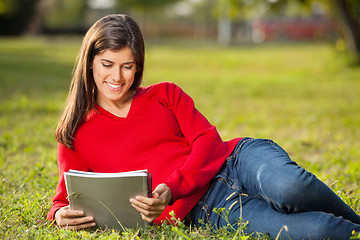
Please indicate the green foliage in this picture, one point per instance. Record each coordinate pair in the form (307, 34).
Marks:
(66, 14)
(11, 7)
(146, 4)
(15, 15)
(302, 96)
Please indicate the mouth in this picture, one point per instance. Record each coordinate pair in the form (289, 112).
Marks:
(114, 87)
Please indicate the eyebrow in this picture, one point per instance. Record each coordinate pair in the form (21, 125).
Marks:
(125, 63)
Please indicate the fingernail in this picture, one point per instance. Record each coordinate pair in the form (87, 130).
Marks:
(93, 224)
(91, 218)
(131, 200)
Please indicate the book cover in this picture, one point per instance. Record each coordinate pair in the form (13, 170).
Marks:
(105, 196)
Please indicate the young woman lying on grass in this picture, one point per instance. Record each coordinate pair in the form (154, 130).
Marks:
(112, 124)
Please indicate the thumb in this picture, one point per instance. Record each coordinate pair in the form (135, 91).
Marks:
(155, 194)
(160, 189)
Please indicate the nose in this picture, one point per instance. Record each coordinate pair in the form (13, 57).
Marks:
(116, 75)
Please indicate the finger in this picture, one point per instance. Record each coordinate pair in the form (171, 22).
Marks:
(68, 213)
(147, 215)
(140, 205)
(80, 226)
(75, 221)
(148, 219)
(148, 203)
(147, 210)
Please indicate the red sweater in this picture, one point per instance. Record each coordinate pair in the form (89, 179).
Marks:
(163, 133)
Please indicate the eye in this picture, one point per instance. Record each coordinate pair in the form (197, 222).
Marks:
(128, 67)
(106, 65)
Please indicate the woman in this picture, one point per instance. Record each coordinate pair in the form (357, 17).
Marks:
(111, 124)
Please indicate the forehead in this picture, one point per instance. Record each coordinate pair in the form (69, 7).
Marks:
(123, 54)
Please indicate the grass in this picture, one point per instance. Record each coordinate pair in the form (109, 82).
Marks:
(303, 96)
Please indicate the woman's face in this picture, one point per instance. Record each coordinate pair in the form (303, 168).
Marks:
(113, 73)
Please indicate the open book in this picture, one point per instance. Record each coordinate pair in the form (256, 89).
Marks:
(105, 196)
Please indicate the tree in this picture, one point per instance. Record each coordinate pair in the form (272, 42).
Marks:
(15, 15)
(35, 23)
(348, 12)
(145, 4)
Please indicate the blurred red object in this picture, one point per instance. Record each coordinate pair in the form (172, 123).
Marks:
(299, 28)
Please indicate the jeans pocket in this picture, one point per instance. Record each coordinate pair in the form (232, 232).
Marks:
(224, 179)
(213, 198)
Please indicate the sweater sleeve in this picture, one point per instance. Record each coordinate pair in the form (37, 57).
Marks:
(208, 151)
(67, 159)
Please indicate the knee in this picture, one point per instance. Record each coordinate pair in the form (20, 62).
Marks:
(330, 227)
(263, 151)
(286, 193)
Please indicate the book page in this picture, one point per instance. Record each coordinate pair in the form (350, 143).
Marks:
(117, 174)
(105, 196)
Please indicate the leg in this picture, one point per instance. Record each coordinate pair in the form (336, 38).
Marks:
(266, 171)
(263, 218)
(305, 225)
(279, 193)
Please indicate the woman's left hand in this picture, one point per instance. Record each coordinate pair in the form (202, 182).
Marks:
(151, 208)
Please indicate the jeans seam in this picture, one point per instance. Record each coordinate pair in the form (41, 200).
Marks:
(233, 181)
(205, 208)
(238, 148)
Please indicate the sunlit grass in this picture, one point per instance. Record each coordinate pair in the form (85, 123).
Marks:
(303, 96)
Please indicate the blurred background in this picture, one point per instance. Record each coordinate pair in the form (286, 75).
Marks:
(288, 70)
(223, 21)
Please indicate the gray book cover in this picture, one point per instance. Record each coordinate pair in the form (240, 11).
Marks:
(105, 196)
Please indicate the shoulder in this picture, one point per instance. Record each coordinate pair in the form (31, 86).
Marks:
(162, 90)
(160, 87)
(167, 94)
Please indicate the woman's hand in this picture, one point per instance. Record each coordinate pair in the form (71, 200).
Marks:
(151, 208)
(73, 219)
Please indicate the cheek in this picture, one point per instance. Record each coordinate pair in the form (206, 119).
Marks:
(98, 75)
(129, 76)
(96, 78)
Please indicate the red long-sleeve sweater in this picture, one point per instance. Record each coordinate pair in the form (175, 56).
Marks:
(163, 132)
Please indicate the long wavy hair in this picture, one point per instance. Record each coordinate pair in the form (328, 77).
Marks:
(112, 32)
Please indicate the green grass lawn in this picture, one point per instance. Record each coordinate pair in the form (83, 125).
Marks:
(303, 96)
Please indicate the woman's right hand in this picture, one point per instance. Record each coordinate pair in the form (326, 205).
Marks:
(73, 219)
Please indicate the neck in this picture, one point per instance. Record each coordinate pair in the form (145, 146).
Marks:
(120, 109)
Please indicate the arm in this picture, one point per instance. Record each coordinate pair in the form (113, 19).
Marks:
(208, 151)
(205, 159)
(60, 211)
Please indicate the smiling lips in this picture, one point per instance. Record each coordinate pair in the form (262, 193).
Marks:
(114, 87)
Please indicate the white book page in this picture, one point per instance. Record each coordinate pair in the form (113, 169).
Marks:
(106, 175)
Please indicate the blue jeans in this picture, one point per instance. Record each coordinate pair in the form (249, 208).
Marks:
(274, 191)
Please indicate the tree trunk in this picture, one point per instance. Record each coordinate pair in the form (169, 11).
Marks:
(36, 21)
(349, 26)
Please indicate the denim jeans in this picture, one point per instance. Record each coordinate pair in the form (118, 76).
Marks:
(261, 184)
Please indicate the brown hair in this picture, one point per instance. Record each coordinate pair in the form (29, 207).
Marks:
(112, 32)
